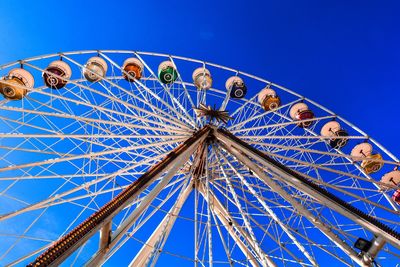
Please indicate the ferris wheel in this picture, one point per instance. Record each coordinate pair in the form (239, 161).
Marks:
(125, 158)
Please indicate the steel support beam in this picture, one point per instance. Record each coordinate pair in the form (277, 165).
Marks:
(105, 236)
(98, 258)
(63, 247)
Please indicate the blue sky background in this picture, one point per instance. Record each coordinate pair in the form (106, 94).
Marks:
(343, 54)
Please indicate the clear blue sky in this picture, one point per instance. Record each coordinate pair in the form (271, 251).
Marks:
(343, 54)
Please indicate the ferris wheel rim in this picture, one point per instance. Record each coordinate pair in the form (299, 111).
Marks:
(252, 101)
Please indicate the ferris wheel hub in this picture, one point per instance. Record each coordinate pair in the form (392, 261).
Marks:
(212, 114)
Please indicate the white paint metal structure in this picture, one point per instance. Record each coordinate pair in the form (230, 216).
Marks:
(65, 153)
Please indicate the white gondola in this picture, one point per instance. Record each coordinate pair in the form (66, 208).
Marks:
(95, 69)
(337, 135)
(392, 180)
(268, 99)
(134, 68)
(16, 84)
(300, 112)
(236, 87)
(58, 68)
(167, 73)
(373, 163)
(202, 78)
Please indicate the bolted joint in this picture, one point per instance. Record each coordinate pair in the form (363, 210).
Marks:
(376, 245)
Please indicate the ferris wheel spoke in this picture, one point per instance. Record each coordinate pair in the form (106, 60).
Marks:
(64, 176)
(278, 241)
(296, 231)
(161, 243)
(209, 230)
(265, 231)
(364, 136)
(56, 129)
(367, 222)
(156, 112)
(282, 124)
(93, 194)
(320, 152)
(25, 123)
(265, 259)
(322, 248)
(87, 136)
(240, 108)
(45, 247)
(187, 117)
(318, 165)
(355, 178)
(181, 81)
(27, 256)
(91, 90)
(108, 112)
(127, 104)
(297, 137)
(260, 116)
(357, 198)
(268, 209)
(332, 154)
(79, 157)
(85, 208)
(338, 172)
(26, 173)
(106, 229)
(299, 207)
(18, 239)
(226, 249)
(56, 197)
(139, 85)
(344, 230)
(108, 90)
(262, 189)
(92, 120)
(34, 151)
(233, 228)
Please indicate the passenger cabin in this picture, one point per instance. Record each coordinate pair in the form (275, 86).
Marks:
(95, 69)
(236, 87)
(392, 179)
(57, 74)
(268, 99)
(202, 78)
(337, 135)
(167, 73)
(132, 69)
(300, 112)
(15, 85)
(364, 150)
